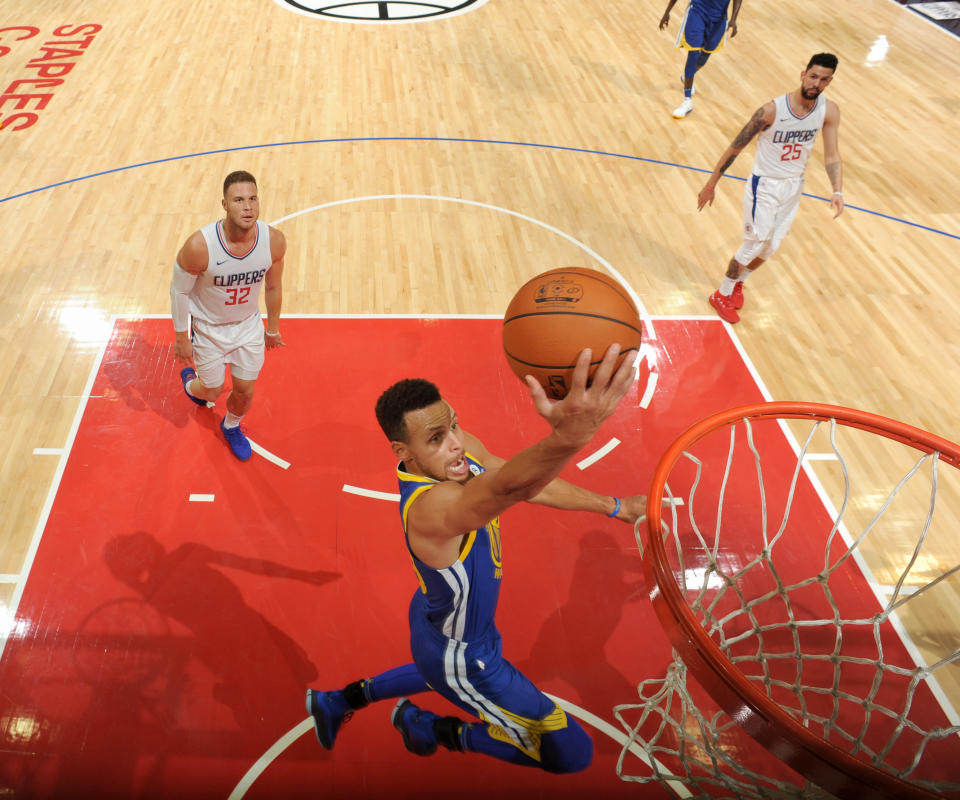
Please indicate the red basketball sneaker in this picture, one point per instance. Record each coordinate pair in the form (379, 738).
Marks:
(736, 296)
(724, 307)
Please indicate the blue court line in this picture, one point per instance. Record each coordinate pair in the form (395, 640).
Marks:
(446, 139)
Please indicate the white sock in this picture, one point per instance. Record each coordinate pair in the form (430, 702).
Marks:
(726, 286)
(744, 274)
(231, 420)
(187, 386)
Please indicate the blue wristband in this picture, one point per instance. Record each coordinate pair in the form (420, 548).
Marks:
(616, 508)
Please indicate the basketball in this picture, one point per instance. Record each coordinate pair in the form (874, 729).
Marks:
(555, 315)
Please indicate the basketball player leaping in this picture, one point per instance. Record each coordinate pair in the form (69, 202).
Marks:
(452, 492)
(788, 127)
(217, 278)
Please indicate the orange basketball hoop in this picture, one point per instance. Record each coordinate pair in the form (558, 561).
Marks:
(821, 673)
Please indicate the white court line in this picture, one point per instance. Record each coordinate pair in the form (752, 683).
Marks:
(934, 685)
(592, 253)
(370, 493)
(261, 451)
(651, 387)
(650, 353)
(904, 590)
(201, 498)
(48, 451)
(21, 582)
(821, 457)
(594, 457)
(268, 757)
(602, 726)
(9, 578)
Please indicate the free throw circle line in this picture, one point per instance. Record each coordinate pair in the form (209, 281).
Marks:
(601, 726)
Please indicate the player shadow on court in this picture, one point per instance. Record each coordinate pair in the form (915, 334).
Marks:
(602, 585)
(257, 667)
(141, 372)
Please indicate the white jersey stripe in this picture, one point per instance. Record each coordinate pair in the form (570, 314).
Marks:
(456, 668)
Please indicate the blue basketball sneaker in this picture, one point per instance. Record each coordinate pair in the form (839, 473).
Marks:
(186, 375)
(416, 727)
(329, 711)
(237, 441)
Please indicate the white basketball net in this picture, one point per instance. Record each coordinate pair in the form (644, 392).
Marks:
(847, 670)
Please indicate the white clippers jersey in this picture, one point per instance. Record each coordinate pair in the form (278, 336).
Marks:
(229, 290)
(784, 147)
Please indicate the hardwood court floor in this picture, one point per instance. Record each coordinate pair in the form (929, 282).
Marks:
(448, 161)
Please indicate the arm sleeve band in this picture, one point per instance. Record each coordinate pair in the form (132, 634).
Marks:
(180, 287)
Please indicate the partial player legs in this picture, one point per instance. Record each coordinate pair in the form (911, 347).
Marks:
(238, 403)
(331, 709)
(563, 750)
(241, 396)
(728, 299)
(195, 389)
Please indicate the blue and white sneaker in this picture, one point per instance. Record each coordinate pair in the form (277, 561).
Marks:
(186, 375)
(239, 444)
(329, 711)
(416, 727)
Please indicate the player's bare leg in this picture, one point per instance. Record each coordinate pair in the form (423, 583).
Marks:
(238, 403)
(195, 388)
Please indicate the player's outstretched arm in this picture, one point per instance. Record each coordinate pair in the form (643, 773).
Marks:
(570, 497)
(762, 119)
(452, 509)
(565, 495)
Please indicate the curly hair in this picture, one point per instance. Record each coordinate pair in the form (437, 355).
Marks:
(410, 394)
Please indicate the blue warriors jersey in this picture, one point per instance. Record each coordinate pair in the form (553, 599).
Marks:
(711, 9)
(460, 601)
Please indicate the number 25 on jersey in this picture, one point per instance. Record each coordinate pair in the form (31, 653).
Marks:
(791, 152)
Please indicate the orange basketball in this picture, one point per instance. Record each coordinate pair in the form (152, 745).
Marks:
(557, 314)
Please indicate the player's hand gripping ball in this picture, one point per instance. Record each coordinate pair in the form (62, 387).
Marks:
(554, 316)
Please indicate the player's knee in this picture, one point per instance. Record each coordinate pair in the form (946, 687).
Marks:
(569, 750)
(243, 391)
(753, 248)
(210, 393)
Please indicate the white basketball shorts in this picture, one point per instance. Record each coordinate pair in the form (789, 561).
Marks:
(769, 208)
(239, 344)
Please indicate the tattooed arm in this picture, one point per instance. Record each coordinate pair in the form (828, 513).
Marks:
(761, 120)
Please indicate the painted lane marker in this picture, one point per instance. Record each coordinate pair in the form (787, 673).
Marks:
(48, 451)
(262, 451)
(201, 498)
(594, 457)
(371, 493)
(820, 457)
